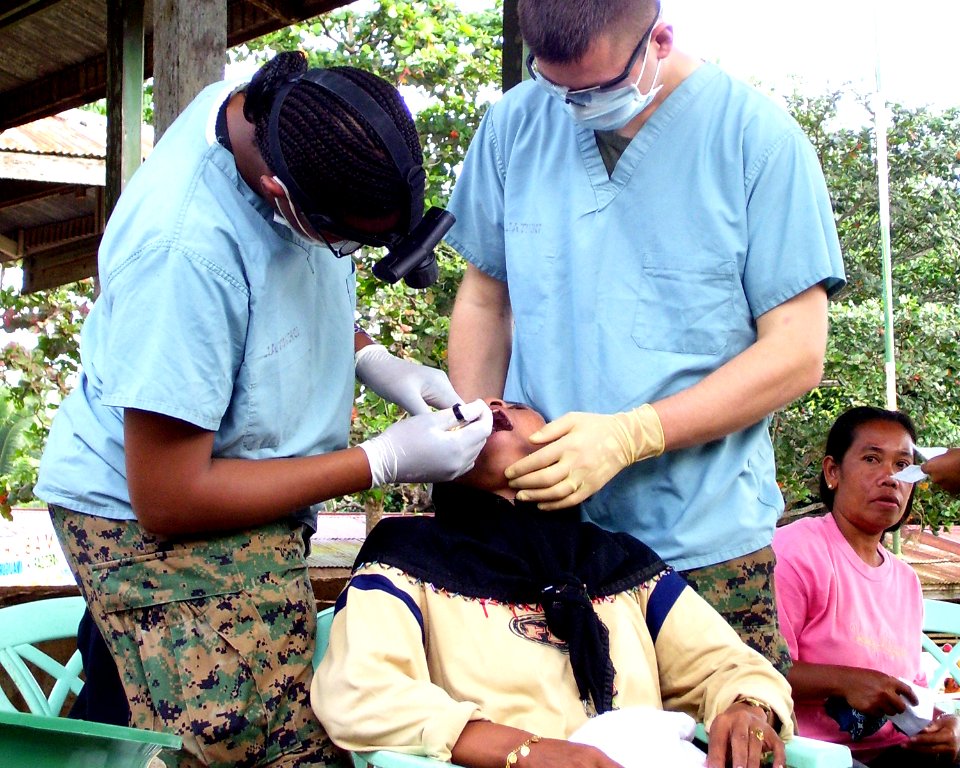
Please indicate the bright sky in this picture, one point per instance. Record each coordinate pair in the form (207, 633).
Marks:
(826, 43)
(830, 42)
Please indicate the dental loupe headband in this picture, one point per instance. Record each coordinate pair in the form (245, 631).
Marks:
(409, 255)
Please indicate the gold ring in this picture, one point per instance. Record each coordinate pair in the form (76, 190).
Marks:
(757, 733)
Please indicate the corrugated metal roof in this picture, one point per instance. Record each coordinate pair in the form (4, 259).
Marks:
(74, 133)
(936, 560)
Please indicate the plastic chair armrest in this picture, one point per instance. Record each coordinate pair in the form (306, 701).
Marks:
(383, 758)
(38, 741)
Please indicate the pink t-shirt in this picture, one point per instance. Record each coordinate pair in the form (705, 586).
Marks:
(836, 609)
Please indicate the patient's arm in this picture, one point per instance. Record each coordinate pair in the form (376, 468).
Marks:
(483, 744)
(704, 666)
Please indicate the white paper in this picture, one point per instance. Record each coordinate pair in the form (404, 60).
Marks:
(917, 716)
(913, 473)
(928, 453)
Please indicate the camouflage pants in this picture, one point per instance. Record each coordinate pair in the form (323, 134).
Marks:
(213, 637)
(742, 591)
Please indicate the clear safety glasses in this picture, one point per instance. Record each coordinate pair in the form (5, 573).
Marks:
(583, 96)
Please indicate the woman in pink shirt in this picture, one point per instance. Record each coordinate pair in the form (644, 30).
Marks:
(850, 611)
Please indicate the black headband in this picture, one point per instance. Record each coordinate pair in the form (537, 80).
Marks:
(382, 123)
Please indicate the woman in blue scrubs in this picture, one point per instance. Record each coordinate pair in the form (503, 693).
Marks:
(213, 408)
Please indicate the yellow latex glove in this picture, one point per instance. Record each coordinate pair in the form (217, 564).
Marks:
(584, 452)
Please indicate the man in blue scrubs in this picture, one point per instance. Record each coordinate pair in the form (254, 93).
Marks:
(651, 247)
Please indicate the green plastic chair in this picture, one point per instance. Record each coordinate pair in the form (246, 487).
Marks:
(40, 738)
(801, 752)
(943, 617)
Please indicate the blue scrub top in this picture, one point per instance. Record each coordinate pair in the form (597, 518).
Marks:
(210, 312)
(630, 288)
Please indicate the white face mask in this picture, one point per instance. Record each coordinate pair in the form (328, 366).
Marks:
(611, 110)
(278, 218)
(281, 218)
(338, 247)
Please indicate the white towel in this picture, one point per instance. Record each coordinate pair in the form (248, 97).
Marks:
(639, 737)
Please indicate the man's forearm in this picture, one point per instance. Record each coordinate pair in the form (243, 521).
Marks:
(481, 332)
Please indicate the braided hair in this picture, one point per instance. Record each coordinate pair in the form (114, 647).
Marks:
(334, 155)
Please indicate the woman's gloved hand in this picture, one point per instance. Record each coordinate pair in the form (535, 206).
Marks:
(423, 449)
(584, 452)
(414, 387)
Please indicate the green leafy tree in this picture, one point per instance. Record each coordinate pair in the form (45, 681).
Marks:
(924, 149)
(36, 376)
(15, 471)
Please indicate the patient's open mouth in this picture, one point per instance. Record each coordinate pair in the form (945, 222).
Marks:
(501, 423)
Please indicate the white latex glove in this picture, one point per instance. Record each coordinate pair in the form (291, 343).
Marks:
(584, 452)
(414, 387)
(423, 449)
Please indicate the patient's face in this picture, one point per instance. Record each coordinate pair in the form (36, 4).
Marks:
(513, 423)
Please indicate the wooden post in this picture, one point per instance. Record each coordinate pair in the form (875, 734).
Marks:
(512, 67)
(124, 95)
(189, 52)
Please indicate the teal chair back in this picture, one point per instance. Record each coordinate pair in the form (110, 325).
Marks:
(39, 737)
(21, 626)
(943, 618)
(324, 620)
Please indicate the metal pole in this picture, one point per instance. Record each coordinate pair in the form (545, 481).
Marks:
(883, 181)
(881, 120)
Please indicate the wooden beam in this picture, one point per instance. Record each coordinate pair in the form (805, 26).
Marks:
(87, 81)
(19, 192)
(70, 87)
(17, 11)
(54, 233)
(282, 10)
(61, 264)
(9, 249)
(247, 19)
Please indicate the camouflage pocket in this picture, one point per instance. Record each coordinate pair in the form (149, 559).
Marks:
(163, 576)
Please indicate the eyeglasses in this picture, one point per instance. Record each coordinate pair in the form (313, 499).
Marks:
(351, 239)
(583, 96)
(340, 248)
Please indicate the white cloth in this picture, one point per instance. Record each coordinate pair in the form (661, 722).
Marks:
(638, 737)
